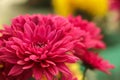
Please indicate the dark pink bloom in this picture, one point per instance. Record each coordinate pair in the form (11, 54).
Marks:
(39, 44)
(115, 4)
(92, 60)
(91, 34)
(89, 38)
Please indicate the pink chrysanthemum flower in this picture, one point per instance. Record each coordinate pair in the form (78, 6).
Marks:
(92, 60)
(39, 44)
(89, 38)
(91, 34)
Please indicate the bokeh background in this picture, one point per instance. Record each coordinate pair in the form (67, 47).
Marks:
(105, 13)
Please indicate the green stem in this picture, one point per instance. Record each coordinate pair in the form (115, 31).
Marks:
(84, 73)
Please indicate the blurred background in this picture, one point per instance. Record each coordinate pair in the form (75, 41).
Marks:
(105, 13)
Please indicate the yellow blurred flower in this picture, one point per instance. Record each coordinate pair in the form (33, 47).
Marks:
(75, 69)
(93, 7)
(1, 26)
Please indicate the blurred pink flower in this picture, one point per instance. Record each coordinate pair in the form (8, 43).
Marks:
(90, 34)
(92, 60)
(115, 4)
(39, 44)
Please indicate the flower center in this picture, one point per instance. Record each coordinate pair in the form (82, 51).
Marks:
(39, 45)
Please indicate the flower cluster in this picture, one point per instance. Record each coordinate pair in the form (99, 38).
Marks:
(40, 46)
